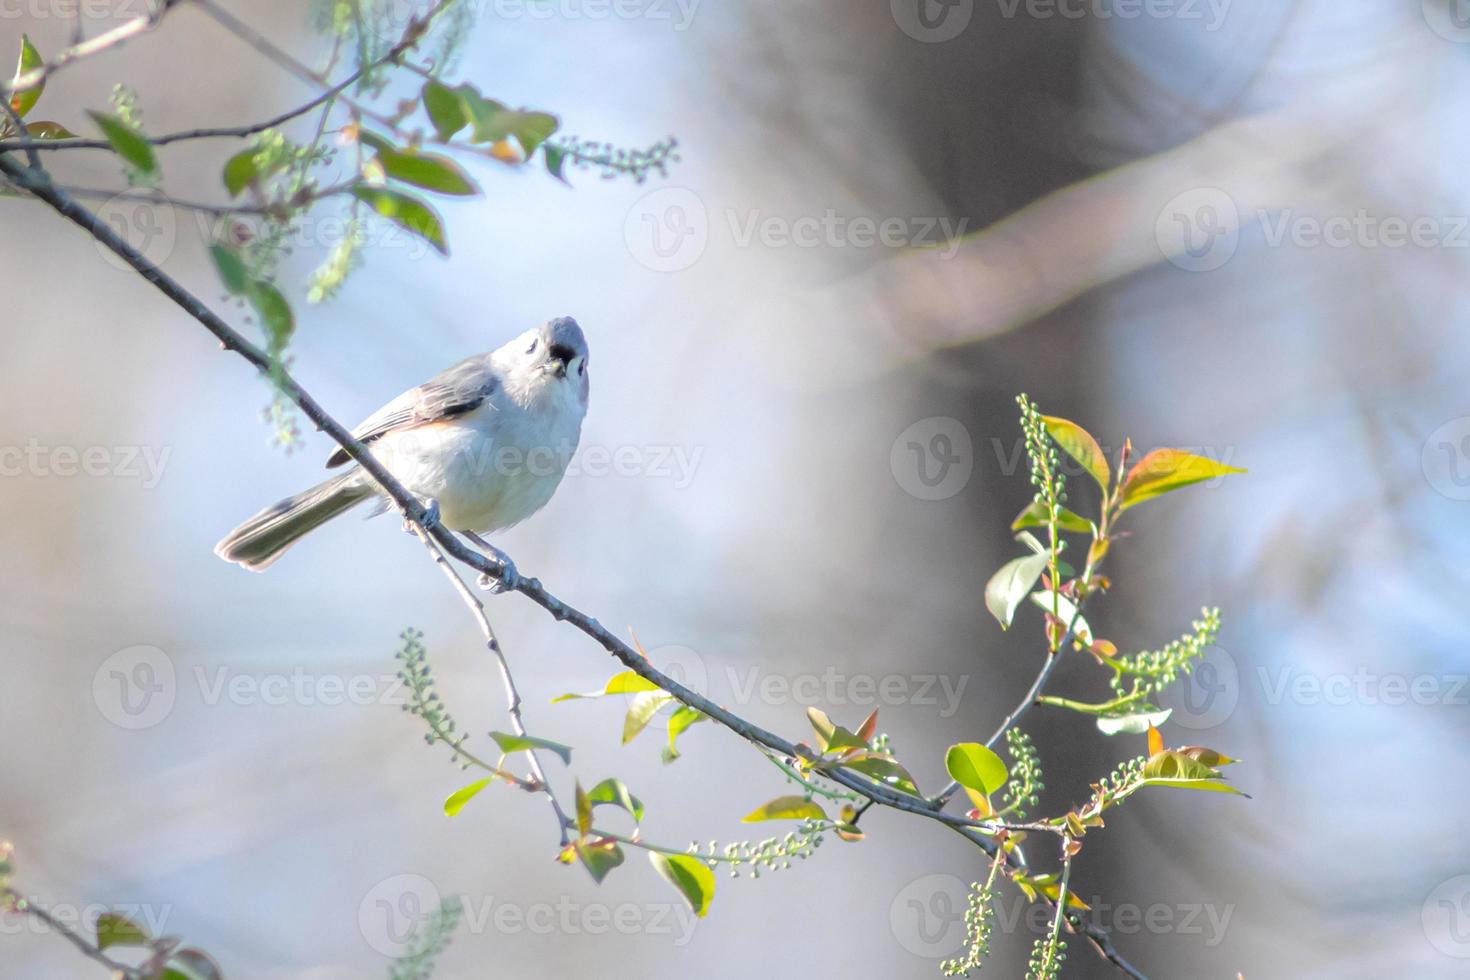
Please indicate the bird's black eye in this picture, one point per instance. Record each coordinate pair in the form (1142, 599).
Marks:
(532, 348)
(582, 368)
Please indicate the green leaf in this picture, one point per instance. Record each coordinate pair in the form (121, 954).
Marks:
(274, 312)
(445, 109)
(1164, 470)
(493, 122)
(556, 161)
(119, 930)
(1177, 770)
(231, 269)
(627, 682)
(1066, 611)
(1134, 724)
(689, 874)
(45, 130)
(460, 797)
(832, 737)
(520, 743)
(615, 792)
(1209, 757)
(239, 171)
(192, 964)
(431, 171)
(787, 808)
(126, 142)
(584, 810)
(1078, 443)
(682, 718)
(642, 708)
(599, 857)
(407, 212)
(976, 768)
(1035, 516)
(885, 769)
(30, 60)
(1007, 587)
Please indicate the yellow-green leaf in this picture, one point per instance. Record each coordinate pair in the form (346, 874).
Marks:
(119, 930)
(1035, 515)
(126, 142)
(690, 875)
(642, 708)
(626, 682)
(682, 718)
(1078, 443)
(46, 130)
(460, 797)
(30, 59)
(239, 171)
(787, 808)
(975, 767)
(523, 743)
(615, 792)
(407, 212)
(1164, 470)
(431, 171)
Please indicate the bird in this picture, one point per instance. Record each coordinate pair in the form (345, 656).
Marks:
(484, 445)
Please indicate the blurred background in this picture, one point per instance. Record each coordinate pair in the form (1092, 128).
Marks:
(1237, 226)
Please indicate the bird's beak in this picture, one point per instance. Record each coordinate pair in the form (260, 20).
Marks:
(561, 356)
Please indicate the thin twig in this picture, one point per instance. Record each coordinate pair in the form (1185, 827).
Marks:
(513, 696)
(285, 60)
(409, 39)
(84, 49)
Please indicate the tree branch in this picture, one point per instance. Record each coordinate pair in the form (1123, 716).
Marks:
(416, 514)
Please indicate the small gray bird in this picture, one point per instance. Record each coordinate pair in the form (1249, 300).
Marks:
(485, 443)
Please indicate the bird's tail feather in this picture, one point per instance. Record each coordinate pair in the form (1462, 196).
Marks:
(258, 542)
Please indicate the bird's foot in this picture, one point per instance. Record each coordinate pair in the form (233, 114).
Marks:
(508, 578)
(428, 522)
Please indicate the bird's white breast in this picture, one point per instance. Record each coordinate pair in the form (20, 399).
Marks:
(493, 466)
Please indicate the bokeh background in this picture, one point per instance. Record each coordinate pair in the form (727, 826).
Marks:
(1238, 226)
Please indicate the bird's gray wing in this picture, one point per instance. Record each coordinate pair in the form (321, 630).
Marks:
(452, 392)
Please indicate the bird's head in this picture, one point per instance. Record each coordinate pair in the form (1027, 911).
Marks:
(545, 358)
